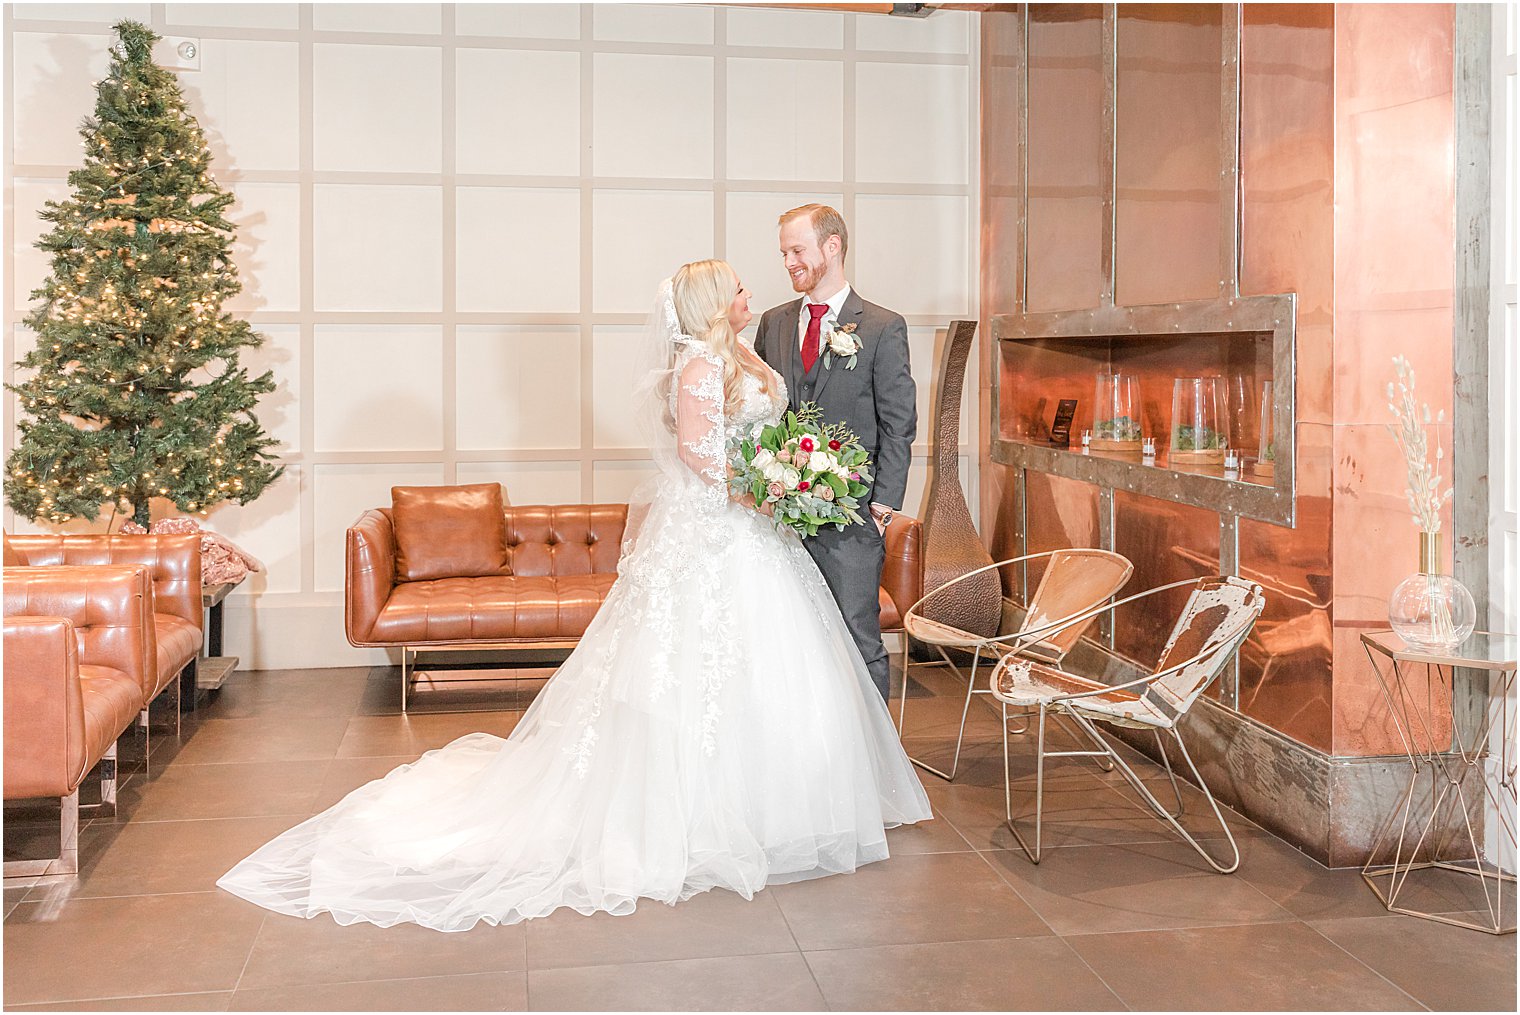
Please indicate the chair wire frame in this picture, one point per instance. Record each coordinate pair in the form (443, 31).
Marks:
(994, 647)
(1222, 651)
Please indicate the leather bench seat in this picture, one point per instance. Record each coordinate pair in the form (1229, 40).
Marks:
(494, 608)
(891, 617)
(112, 699)
(534, 579)
(174, 567)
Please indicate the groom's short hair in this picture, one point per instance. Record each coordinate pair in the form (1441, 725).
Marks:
(826, 222)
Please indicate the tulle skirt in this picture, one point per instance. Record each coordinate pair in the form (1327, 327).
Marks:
(716, 728)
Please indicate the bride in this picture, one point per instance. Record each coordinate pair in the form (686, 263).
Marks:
(715, 728)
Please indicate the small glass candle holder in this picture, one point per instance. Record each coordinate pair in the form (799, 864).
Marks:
(1086, 438)
(1231, 460)
(1148, 448)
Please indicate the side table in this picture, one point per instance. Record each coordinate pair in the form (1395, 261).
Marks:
(213, 668)
(1463, 793)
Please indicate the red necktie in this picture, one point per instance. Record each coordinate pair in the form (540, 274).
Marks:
(810, 340)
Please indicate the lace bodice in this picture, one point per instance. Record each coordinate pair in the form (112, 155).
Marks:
(705, 425)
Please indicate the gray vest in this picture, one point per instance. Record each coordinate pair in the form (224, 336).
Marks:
(808, 380)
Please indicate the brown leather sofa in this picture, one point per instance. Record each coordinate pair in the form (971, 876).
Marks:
(560, 563)
(79, 660)
(173, 563)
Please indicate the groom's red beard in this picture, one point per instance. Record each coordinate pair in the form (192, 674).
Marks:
(811, 276)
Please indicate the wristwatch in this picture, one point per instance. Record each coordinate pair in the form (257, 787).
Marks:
(884, 515)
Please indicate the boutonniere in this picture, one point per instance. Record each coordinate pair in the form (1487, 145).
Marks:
(842, 342)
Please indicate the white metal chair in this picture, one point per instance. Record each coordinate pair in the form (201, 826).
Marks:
(1217, 618)
(1075, 581)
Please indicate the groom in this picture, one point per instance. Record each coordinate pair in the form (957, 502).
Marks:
(874, 397)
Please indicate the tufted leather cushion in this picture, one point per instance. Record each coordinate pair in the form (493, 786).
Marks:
(499, 608)
(111, 704)
(13, 556)
(178, 643)
(79, 652)
(902, 573)
(174, 562)
(448, 531)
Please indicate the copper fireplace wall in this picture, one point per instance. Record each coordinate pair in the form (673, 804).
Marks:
(1344, 134)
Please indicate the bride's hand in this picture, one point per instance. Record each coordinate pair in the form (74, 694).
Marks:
(748, 500)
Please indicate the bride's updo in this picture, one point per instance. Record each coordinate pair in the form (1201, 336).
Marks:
(703, 292)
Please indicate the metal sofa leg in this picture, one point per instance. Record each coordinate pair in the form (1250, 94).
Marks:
(67, 860)
(107, 767)
(406, 675)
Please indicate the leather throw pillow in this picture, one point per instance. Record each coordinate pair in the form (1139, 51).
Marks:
(448, 531)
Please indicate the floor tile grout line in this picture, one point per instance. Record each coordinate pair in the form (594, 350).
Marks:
(1097, 975)
(813, 973)
(252, 944)
(1360, 962)
(672, 958)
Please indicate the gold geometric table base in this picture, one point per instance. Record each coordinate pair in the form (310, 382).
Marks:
(1452, 813)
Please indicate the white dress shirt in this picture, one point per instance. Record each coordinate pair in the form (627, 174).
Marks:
(835, 305)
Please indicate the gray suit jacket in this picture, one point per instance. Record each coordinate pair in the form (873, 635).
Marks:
(876, 399)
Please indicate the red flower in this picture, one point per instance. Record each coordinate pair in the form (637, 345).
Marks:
(833, 445)
(803, 485)
(806, 444)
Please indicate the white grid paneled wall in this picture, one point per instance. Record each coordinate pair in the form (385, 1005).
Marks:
(452, 218)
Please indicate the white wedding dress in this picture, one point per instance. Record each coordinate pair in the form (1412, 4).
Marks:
(716, 727)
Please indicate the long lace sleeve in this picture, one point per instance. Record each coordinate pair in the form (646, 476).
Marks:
(700, 437)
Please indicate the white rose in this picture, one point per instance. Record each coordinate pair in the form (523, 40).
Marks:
(841, 343)
(774, 471)
(819, 461)
(790, 478)
(842, 471)
(762, 459)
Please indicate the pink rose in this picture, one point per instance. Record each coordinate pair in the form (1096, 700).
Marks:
(776, 490)
(826, 492)
(784, 456)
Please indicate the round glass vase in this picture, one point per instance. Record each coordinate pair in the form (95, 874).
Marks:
(1431, 610)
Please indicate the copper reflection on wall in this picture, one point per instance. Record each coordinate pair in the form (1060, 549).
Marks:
(1168, 161)
(1287, 242)
(1067, 191)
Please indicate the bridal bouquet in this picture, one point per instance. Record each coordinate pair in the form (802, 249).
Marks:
(812, 475)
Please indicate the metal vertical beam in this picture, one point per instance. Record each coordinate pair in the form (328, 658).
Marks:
(1109, 150)
(1022, 296)
(1472, 104)
(1021, 528)
(1106, 542)
(1229, 151)
(1229, 564)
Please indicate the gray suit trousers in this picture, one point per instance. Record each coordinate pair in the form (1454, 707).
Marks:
(851, 562)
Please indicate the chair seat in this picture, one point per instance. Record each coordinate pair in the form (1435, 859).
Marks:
(1025, 684)
(111, 700)
(178, 642)
(891, 618)
(493, 608)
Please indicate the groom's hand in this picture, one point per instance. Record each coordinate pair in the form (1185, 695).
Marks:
(882, 516)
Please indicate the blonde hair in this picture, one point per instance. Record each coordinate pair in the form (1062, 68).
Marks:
(826, 222)
(703, 291)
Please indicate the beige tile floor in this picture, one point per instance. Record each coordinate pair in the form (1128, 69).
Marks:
(1119, 915)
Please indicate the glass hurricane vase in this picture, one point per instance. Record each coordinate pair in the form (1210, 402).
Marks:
(1431, 610)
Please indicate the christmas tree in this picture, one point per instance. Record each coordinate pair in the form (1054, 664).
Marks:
(137, 392)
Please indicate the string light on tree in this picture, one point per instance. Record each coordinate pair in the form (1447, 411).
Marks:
(135, 385)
